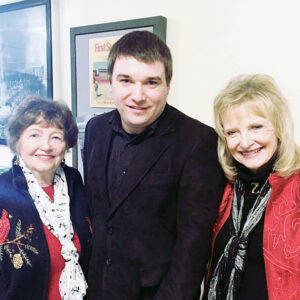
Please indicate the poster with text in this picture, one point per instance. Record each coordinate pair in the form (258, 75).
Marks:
(99, 48)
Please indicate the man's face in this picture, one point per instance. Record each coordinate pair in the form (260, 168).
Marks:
(140, 92)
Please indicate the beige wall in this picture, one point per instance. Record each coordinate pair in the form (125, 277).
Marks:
(211, 41)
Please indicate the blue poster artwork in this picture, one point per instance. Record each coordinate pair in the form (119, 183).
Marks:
(23, 59)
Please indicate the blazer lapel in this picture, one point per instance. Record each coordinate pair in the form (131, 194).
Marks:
(99, 164)
(149, 154)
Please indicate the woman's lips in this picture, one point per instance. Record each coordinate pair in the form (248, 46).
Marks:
(250, 153)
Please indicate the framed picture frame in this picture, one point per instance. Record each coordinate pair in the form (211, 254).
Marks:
(90, 46)
(26, 55)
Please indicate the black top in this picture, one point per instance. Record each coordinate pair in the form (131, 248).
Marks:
(123, 150)
(253, 281)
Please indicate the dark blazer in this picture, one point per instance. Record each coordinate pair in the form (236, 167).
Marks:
(24, 256)
(155, 239)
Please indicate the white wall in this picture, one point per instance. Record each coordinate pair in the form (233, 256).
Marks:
(211, 41)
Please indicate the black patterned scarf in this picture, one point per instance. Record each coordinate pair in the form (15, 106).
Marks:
(231, 264)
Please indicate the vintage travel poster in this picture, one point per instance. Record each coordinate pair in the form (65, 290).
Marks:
(99, 84)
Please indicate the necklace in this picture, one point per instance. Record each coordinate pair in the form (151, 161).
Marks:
(255, 186)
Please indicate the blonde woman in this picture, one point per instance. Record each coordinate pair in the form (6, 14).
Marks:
(256, 242)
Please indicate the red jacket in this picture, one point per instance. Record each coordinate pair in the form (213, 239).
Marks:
(281, 235)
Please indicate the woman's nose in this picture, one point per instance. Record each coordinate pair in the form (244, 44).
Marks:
(246, 140)
(45, 144)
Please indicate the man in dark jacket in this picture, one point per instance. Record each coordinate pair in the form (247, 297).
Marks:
(154, 179)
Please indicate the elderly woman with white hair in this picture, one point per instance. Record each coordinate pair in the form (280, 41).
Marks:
(44, 226)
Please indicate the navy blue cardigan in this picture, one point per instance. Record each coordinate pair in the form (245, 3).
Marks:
(24, 255)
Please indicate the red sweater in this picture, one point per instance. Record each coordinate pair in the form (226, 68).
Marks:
(281, 235)
(57, 262)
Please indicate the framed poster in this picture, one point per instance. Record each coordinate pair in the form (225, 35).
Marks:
(90, 46)
(25, 60)
(99, 84)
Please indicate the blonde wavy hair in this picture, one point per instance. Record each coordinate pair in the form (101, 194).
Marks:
(266, 100)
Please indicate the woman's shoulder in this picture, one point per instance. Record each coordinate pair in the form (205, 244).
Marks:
(6, 174)
(275, 178)
(13, 191)
(6, 181)
(285, 185)
(70, 170)
(72, 174)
